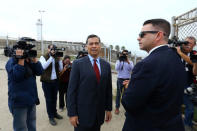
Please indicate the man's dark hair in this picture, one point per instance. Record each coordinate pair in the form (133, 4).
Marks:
(49, 46)
(160, 24)
(125, 51)
(66, 57)
(92, 36)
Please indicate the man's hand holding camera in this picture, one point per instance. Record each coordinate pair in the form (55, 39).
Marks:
(19, 52)
(53, 54)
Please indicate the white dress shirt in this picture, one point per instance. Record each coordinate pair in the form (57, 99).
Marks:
(45, 65)
(97, 62)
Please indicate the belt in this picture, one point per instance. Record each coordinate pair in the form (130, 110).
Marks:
(123, 78)
(53, 80)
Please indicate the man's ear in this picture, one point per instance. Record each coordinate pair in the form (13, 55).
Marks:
(159, 35)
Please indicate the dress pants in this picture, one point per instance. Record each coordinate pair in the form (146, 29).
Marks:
(62, 94)
(120, 87)
(189, 110)
(93, 128)
(50, 93)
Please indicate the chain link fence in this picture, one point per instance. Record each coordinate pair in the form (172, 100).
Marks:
(185, 25)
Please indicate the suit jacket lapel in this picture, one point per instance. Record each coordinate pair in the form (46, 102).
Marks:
(102, 69)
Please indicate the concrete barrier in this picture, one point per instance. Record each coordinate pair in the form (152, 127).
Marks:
(1, 52)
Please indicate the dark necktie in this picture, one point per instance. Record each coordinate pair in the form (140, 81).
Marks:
(96, 69)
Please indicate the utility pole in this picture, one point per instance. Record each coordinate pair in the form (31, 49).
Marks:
(42, 45)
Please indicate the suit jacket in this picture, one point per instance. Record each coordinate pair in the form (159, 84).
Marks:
(85, 97)
(154, 96)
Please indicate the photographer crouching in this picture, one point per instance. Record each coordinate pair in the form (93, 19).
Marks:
(123, 67)
(22, 90)
(52, 65)
(188, 57)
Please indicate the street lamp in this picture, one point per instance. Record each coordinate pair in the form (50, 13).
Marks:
(42, 46)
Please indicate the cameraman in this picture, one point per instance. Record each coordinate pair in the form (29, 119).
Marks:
(185, 51)
(123, 67)
(52, 65)
(22, 90)
(64, 79)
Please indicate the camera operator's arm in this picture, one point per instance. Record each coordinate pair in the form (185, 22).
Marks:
(184, 56)
(118, 65)
(15, 68)
(64, 69)
(45, 64)
(130, 67)
(36, 66)
(60, 64)
(128, 60)
(194, 68)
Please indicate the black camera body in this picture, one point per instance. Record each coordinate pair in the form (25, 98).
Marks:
(122, 57)
(175, 42)
(57, 51)
(69, 66)
(81, 54)
(23, 45)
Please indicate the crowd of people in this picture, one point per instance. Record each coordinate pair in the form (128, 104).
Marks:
(152, 92)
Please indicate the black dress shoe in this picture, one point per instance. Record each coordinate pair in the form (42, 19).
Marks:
(57, 116)
(52, 121)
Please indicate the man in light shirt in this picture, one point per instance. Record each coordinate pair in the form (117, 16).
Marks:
(124, 68)
(52, 66)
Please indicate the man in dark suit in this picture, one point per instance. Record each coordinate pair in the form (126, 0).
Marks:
(89, 97)
(154, 95)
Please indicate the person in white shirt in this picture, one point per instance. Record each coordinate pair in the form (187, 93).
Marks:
(52, 65)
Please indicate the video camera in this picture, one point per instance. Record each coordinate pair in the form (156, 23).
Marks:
(69, 66)
(24, 44)
(82, 53)
(175, 42)
(122, 56)
(57, 51)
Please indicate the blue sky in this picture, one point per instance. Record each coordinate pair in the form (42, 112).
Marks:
(117, 22)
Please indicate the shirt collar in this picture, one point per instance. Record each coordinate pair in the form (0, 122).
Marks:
(156, 48)
(92, 59)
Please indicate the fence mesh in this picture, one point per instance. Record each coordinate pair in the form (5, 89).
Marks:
(185, 25)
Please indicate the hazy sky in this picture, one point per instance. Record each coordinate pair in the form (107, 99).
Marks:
(117, 22)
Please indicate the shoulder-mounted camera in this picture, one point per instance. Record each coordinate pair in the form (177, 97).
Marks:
(26, 44)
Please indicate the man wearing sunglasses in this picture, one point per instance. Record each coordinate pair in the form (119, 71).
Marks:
(154, 95)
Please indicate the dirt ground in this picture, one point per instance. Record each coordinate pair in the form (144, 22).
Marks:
(42, 120)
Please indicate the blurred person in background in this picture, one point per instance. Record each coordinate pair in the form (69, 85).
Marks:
(64, 80)
(52, 65)
(124, 68)
(186, 51)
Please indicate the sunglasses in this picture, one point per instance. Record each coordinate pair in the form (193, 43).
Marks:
(143, 33)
